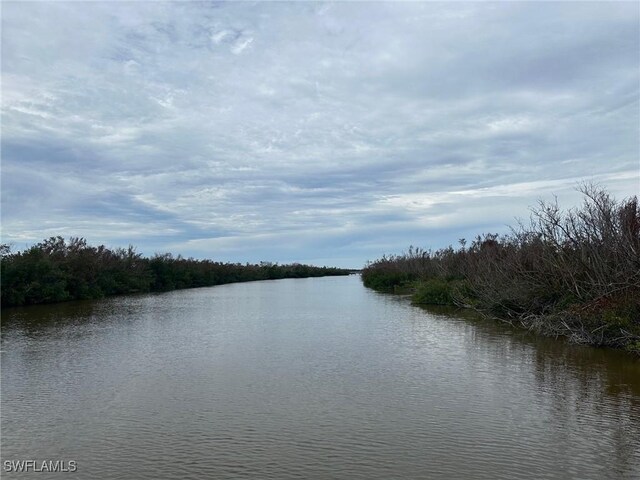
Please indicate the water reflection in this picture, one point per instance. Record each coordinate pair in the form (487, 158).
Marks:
(314, 378)
(608, 371)
(581, 387)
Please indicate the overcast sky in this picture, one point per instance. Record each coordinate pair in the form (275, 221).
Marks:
(326, 133)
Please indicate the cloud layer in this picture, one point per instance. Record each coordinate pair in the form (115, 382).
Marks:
(323, 133)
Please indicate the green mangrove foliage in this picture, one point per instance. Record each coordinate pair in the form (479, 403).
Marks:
(55, 271)
(573, 273)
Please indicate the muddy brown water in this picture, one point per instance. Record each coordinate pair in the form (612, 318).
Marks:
(306, 378)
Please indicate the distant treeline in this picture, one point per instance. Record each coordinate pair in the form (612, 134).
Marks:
(573, 273)
(56, 271)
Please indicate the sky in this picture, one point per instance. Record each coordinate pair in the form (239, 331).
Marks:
(322, 133)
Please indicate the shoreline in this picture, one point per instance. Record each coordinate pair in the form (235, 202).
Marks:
(578, 324)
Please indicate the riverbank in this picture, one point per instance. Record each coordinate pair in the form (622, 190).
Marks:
(573, 273)
(56, 271)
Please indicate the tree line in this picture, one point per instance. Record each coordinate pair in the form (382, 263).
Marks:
(56, 270)
(573, 273)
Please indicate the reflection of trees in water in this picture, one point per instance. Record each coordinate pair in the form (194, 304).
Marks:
(607, 371)
(52, 333)
(49, 319)
(597, 392)
(593, 391)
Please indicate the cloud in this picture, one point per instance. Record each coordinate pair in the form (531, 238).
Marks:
(300, 131)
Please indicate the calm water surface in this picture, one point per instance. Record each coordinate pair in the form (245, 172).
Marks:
(309, 378)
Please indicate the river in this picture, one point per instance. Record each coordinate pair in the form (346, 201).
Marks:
(307, 378)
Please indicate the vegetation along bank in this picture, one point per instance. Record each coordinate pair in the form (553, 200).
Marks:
(55, 271)
(572, 273)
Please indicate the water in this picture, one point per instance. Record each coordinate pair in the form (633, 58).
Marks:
(307, 378)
